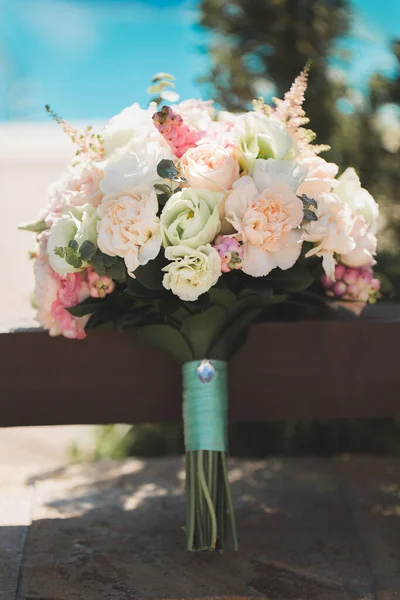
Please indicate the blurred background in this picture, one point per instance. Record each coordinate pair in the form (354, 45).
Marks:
(89, 59)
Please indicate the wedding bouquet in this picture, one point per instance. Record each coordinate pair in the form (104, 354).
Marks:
(189, 223)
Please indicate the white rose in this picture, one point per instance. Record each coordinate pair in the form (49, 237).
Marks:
(267, 220)
(332, 232)
(258, 136)
(77, 223)
(134, 164)
(192, 272)
(210, 167)
(191, 217)
(270, 172)
(129, 226)
(132, 122)
(359, 199)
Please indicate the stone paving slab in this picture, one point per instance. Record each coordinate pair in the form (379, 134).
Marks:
(311, 529)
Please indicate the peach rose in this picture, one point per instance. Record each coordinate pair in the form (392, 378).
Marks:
(129, 226)
(210, 167)
(268, 222)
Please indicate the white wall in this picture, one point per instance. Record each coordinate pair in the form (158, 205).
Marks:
(31, 157)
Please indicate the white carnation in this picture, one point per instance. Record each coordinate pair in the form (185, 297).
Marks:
(191, 272)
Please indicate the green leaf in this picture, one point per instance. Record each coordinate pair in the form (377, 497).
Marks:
(98, 264)
(166, 338)
(87, 307)
(296, 279)
(151, 275)
(234, 336)
(117, 271)
(168, 170)
(35, 227)
(201, 329)
(87, 250)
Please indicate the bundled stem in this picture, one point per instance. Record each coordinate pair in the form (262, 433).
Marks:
(210, 515)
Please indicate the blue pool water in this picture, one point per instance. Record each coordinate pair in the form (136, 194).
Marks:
(90, 58)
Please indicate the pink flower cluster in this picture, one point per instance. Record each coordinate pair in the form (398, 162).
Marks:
(175, 131)
(230, 251)
(353, 284)
(99, 286)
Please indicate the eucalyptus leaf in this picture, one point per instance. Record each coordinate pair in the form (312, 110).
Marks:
(168, 170)
(166, 338)
(87, 250)
(73, 244)
(72, 257)
(35, 227)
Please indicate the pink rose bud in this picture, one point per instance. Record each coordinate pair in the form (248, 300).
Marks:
(375, 285)
(339, 289)
(351, 276)
(339, 271)
(327, 282)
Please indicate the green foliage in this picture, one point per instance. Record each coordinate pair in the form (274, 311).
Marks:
(168, 170)
(103, 264)
(35, 227)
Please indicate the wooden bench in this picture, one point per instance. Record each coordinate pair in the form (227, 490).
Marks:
(309, 369)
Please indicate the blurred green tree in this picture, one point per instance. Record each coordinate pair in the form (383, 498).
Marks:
(259, 46)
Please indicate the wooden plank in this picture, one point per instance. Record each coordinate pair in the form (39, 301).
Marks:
(313, 369)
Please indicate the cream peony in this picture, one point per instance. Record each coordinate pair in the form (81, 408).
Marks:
(268, 221)
(332, 232)
(129, 226)
(210, 167)
(191, 217)
(320, 176)
(77, 223)
(359, 199)
(192, 272)
(258, 136)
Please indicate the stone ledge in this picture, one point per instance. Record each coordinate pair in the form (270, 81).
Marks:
(311, 529)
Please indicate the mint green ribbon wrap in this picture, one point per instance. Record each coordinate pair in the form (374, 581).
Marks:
(205, 407)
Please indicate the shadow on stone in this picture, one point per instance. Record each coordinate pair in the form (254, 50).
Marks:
(114, 530)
